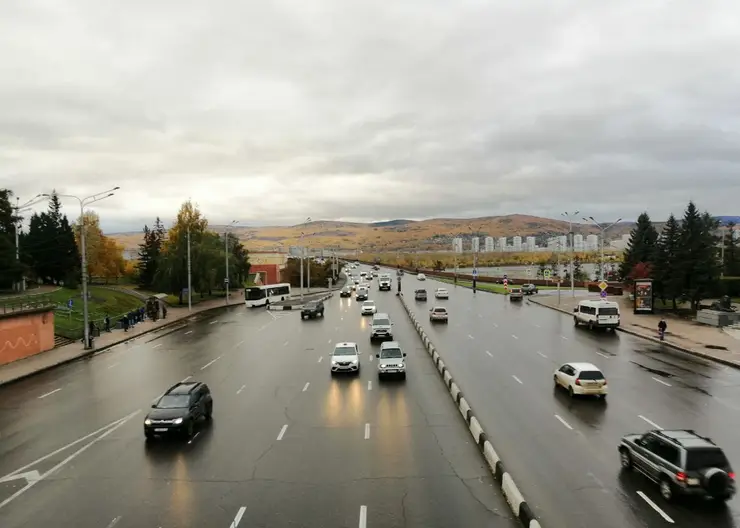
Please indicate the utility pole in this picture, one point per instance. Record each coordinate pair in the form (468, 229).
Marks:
(475, 250)
(226, 255)
(722, 255)
(190, 277)
(18, 224)
(83, 253)
(603, 233)
(569, 217)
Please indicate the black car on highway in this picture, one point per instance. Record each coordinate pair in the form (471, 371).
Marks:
(312, 309)
(529, 289)
(178, 409)
(346, 292)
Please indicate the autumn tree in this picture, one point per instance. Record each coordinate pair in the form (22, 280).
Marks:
(104, 256)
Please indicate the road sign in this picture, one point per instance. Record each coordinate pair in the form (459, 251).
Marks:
(603, 294)
(603, 285)
(506, 276)
(506, 282)
(529, 272)
(475, 273)
(547, 274)
(226, 280)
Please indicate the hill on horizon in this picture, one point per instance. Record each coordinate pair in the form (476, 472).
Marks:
(394, 235)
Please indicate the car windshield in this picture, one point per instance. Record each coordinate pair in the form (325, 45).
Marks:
(345, 351)
(381, 322)
(311, 304)
(591, 375)
(697, 459)
(174, 401)
(368, 303)
(608, 311)
(391, 353)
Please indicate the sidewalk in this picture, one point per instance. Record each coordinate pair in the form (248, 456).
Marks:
(24, 368)
(687, 336)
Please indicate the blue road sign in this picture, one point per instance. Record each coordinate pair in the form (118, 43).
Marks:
(475, 272)
(603, 294)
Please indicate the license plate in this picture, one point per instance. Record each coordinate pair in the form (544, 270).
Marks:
(391, 371)
(693, 482)
(161, 430)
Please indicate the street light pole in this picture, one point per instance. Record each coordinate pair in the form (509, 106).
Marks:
(83, 252)
(603, 233)
(226, 255)
(569, 217)
(190, 277)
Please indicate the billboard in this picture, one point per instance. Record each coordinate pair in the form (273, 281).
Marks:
(644, 296)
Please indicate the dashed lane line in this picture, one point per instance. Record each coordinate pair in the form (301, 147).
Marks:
(188, 332)
(650, 422)
(305, 387)
(515, 337)
(603, 355)
(240, 343)
(238, 517)
(286, 343)
(158, 345)
(214, 322)
(282, 432)
(369, 385)
(363, 517)
(541, 354)
(367, 431)
(113, 522)
(320, 359)
(489, 353)
(663, 382)
(241, 389)
(517, 380)
(210, 363)
(566, 424)
(49, 393)
(655, 507)
(186, 379)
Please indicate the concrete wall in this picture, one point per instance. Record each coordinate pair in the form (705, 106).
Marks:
(270, 272)
(25, 334)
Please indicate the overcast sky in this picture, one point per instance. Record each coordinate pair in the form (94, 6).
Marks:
(271, 111)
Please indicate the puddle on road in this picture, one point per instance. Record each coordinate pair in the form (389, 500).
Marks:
(654, 370)
(665, 374)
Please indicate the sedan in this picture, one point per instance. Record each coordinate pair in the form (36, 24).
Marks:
(438, 314)
(442, 293)
(581, 379)
(369, 308)
(421, 276)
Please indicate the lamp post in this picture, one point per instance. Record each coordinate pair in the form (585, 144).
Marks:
(303, 252)
(18, 209)
(569, 216)
(83, 250)
(475, 257)
(226, 255)
(603, 229)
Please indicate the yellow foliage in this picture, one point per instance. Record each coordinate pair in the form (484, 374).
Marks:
(189, 216)
(104, 254)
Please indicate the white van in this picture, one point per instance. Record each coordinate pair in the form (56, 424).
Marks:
(596, 314)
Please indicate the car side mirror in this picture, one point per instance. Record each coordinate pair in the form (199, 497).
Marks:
(154, 405)
(575, 310)
(377, 356)
(404, 354)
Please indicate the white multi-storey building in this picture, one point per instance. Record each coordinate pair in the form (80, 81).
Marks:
(516, 243)
(563, 242)
(592, 242)
(475, 244)
(578, 242)
(531, 243)
(502, 244)
(457, 245)
(488, 245)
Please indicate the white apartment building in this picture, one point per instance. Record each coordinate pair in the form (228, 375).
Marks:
(475, 244)
(517, 243)
(592, 242)
(457, 245)
(502, 244)
(531, 243)
(488, 245)
(578, 242)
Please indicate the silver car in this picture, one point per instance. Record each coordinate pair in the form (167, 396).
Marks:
(345, 358)
(391, 360)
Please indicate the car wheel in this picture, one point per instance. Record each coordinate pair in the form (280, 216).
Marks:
(570, 392)
(602, 396)
(666, 489)
(555, 379)
(403, 376)
(209, 411)
(590, 325)
(190, 430)
(575, 320)
(149, 436)
(625, 459)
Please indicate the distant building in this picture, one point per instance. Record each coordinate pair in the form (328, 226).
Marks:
(531, 243)
(475, 244)
(516, 243)
(488, 245)
(578, 242)
(457, 245)
(502, 244)
(592, 242)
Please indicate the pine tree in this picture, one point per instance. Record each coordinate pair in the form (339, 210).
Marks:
(578, 273)
(146, 266)
(668, 279)
(642, 245)
(698, 262)
(11, 271)
(731, 243)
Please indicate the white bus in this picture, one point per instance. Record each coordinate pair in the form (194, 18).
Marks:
(264, 295)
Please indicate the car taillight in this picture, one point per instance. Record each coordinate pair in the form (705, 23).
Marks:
(578, 382)
(681, 476)
(731, 474)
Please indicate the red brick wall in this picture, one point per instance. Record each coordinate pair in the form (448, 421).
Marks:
(25, 334)
(270, 272)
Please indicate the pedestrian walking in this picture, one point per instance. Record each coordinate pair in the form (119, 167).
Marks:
(107, 323)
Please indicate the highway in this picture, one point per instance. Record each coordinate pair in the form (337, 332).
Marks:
(288, 444)
(563, 453)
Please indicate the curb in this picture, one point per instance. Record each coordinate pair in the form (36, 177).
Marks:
(503, 479)
(695, 353)
(298, 306)
(89, 353)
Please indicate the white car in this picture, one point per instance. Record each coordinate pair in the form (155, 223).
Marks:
(391, 360)
(345, 358)
(442, 293)
(369, 308)
(421, 276)
(581, 379)
(438, 314)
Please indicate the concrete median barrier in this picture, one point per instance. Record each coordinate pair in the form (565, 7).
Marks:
(503, 479)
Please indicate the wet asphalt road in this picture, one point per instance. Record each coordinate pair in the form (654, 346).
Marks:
(288, 444)
(563, 453)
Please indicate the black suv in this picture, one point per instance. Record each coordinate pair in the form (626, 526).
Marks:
(346, 292)
(529, 289)
(681, 462)
(312, 309)
(177, 410)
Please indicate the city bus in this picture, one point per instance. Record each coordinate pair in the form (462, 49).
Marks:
(264, 295)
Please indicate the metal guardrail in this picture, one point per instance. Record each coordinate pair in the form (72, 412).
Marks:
(28, 303)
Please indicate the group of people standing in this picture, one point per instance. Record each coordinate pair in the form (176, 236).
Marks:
(129, 320)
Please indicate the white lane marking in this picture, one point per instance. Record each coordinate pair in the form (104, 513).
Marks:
(650, 422)
(537, 326)
(655, 507)
(305, 387)
(369, 385)
(49, 393)
(238, 517)
(541, 354)
(113, 365)
(566, 424)
(603, 355)
(663, 382)
(67, 460)
(320, 358)
(113, 522)
(157, 346)
(240, 343)
(329, 342)
(282, 432)
(214, 322)
(28, 475)
(367, 431)
(515, 337)
(489, 353)
(336, 329)
(563, 337)
(495, 325)
(285, 344)
(471, 337)
(272, 314)
(371, 357)
(241, 389)
(194, 437)
(188, 332)
(517, 379)
(210, 363)
(261, 328)
(363, 516)
(186, 379)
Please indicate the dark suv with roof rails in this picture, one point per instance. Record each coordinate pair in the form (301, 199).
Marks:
(681, 462)
(177, 410)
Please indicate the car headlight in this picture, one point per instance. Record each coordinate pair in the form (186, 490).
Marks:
(177, 421)
(383, 365)
(355, 361)
(147, 422)
(333, 362)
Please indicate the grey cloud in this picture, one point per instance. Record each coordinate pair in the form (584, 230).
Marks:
(270, 112)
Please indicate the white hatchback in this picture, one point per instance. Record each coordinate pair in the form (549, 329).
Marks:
(369, 308)
(581, 379)
(442, 293)
(421, 276)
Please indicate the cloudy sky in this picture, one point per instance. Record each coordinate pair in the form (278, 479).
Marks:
(269, 112)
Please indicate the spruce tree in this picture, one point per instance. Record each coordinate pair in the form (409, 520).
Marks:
(11, 271)
(642, 245)
(666, 272)
(697, 262)
(731, 243)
